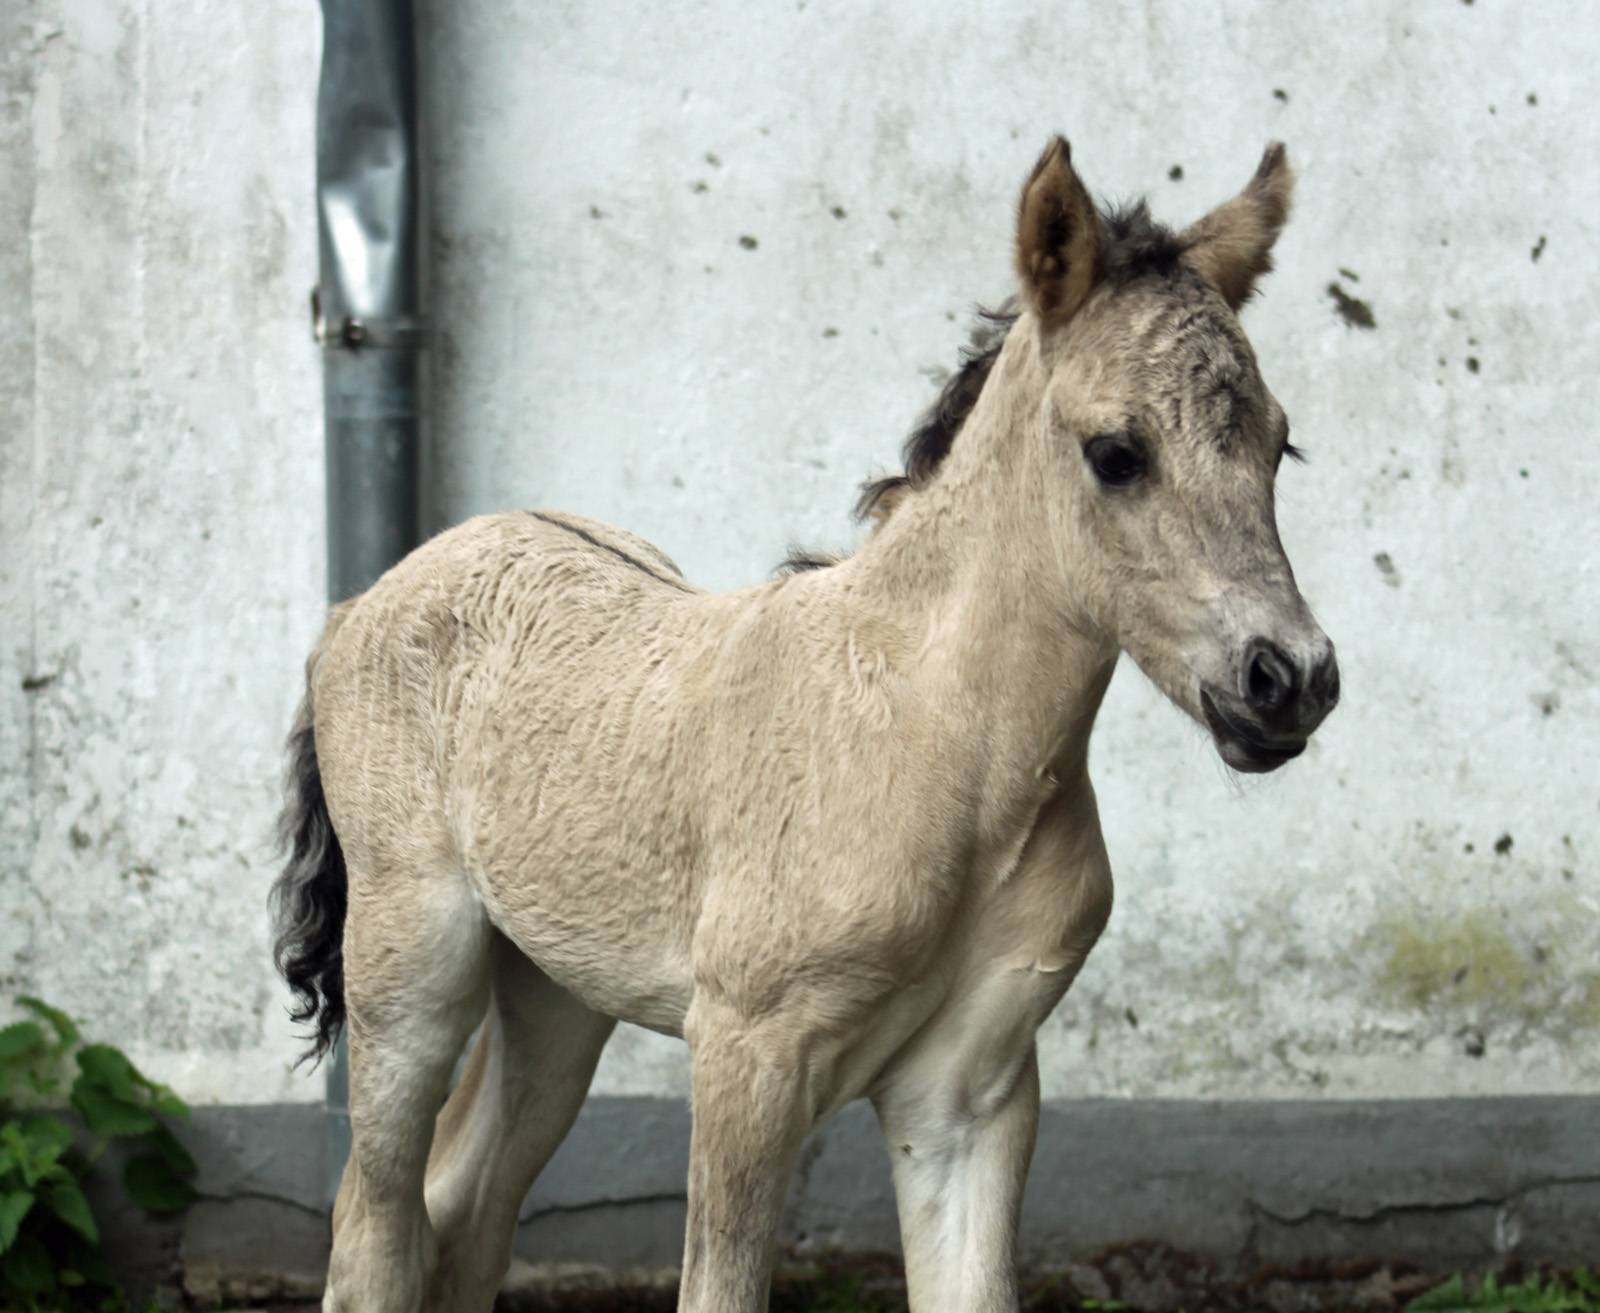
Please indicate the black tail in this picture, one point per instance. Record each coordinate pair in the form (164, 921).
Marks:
(308, 899)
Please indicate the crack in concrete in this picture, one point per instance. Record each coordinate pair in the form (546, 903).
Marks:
(261, 1196)
(1386, 1211)
(594, 1205)
(523, 1218)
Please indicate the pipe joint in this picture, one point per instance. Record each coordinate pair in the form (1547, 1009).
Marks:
(353, 332)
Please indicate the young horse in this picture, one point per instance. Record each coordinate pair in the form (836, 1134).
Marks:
(835, 830)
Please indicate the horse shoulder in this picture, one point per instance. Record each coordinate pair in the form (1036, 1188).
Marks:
(835, 861)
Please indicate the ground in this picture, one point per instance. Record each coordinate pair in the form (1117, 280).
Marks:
(1132, 1279)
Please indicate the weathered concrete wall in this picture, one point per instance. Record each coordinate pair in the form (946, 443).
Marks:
(160, 500)
(693, 268)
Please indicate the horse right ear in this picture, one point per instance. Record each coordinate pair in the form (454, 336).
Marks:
(1231, 248)
(1058, 237)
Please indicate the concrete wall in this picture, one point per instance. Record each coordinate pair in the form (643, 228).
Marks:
(160, 505)
(694, 268)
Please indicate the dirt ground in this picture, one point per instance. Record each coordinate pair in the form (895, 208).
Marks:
(1134, 1283)
(1133, 1279)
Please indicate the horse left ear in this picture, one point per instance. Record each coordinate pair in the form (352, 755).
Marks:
(1232, 246)
(1058, 237)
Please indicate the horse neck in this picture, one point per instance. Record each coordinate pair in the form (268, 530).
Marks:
(967, 570)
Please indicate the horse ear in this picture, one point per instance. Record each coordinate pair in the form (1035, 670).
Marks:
(1058, 237)
(1232, 246)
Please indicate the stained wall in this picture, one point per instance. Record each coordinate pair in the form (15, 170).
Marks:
(695, 270)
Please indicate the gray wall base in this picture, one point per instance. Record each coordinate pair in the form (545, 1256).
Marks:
(1443, 1184)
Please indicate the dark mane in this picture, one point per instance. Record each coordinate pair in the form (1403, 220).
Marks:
(935, 434)
(801, 559)
(1134, 246)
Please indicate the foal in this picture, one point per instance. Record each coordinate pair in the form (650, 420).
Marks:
(836, 830)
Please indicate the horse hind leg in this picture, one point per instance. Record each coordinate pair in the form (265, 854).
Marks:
(416, 957)
(526, 1079)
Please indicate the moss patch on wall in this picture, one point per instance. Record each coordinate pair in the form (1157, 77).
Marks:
(1482, 964)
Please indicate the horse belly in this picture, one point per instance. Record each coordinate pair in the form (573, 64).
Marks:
(617, 952)
(567, 817)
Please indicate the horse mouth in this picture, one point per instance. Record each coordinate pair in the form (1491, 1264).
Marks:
(1241, 746)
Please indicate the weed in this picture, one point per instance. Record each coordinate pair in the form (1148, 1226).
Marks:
(49, 1240)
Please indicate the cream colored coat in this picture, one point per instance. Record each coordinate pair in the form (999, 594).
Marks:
(835, 830)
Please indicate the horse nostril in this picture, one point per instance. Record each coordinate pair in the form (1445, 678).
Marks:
(1327, 678)
(1270, 679)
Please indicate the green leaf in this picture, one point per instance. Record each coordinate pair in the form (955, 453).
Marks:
(27, 1267)
(1530, 1296)
(63, 1025)
(49, 1137)
(67, 1202)
(170, 1105)
(107, 1114)
(14, 1206)
(177, 1158)
(152, 1185)
(20, 1151)
(57, 1172)
(21, 1039)
(37, 1161)
(1451, 1297)
(109, 1068)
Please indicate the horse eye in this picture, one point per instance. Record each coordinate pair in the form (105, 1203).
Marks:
(1116, 461)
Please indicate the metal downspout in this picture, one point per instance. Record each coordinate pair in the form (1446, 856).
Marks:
(367, 313)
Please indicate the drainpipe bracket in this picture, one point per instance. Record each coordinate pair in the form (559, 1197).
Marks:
(353, 332)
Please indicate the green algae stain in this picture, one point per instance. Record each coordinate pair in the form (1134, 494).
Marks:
(1472, 963)
(1470, 960)
(1586, 1011)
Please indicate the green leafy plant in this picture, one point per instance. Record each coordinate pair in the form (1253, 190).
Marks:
(49, 1240)
(1580, 1293)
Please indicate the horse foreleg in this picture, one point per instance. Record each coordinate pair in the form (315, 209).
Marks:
(959, 1170)
(750, 1116)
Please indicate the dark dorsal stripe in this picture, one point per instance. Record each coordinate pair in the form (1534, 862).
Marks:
(801, 559)
(604, 546)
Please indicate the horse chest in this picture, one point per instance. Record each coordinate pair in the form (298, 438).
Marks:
(1004, 957)
(1016, 958)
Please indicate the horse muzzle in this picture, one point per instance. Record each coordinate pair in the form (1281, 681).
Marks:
(1277, 703)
